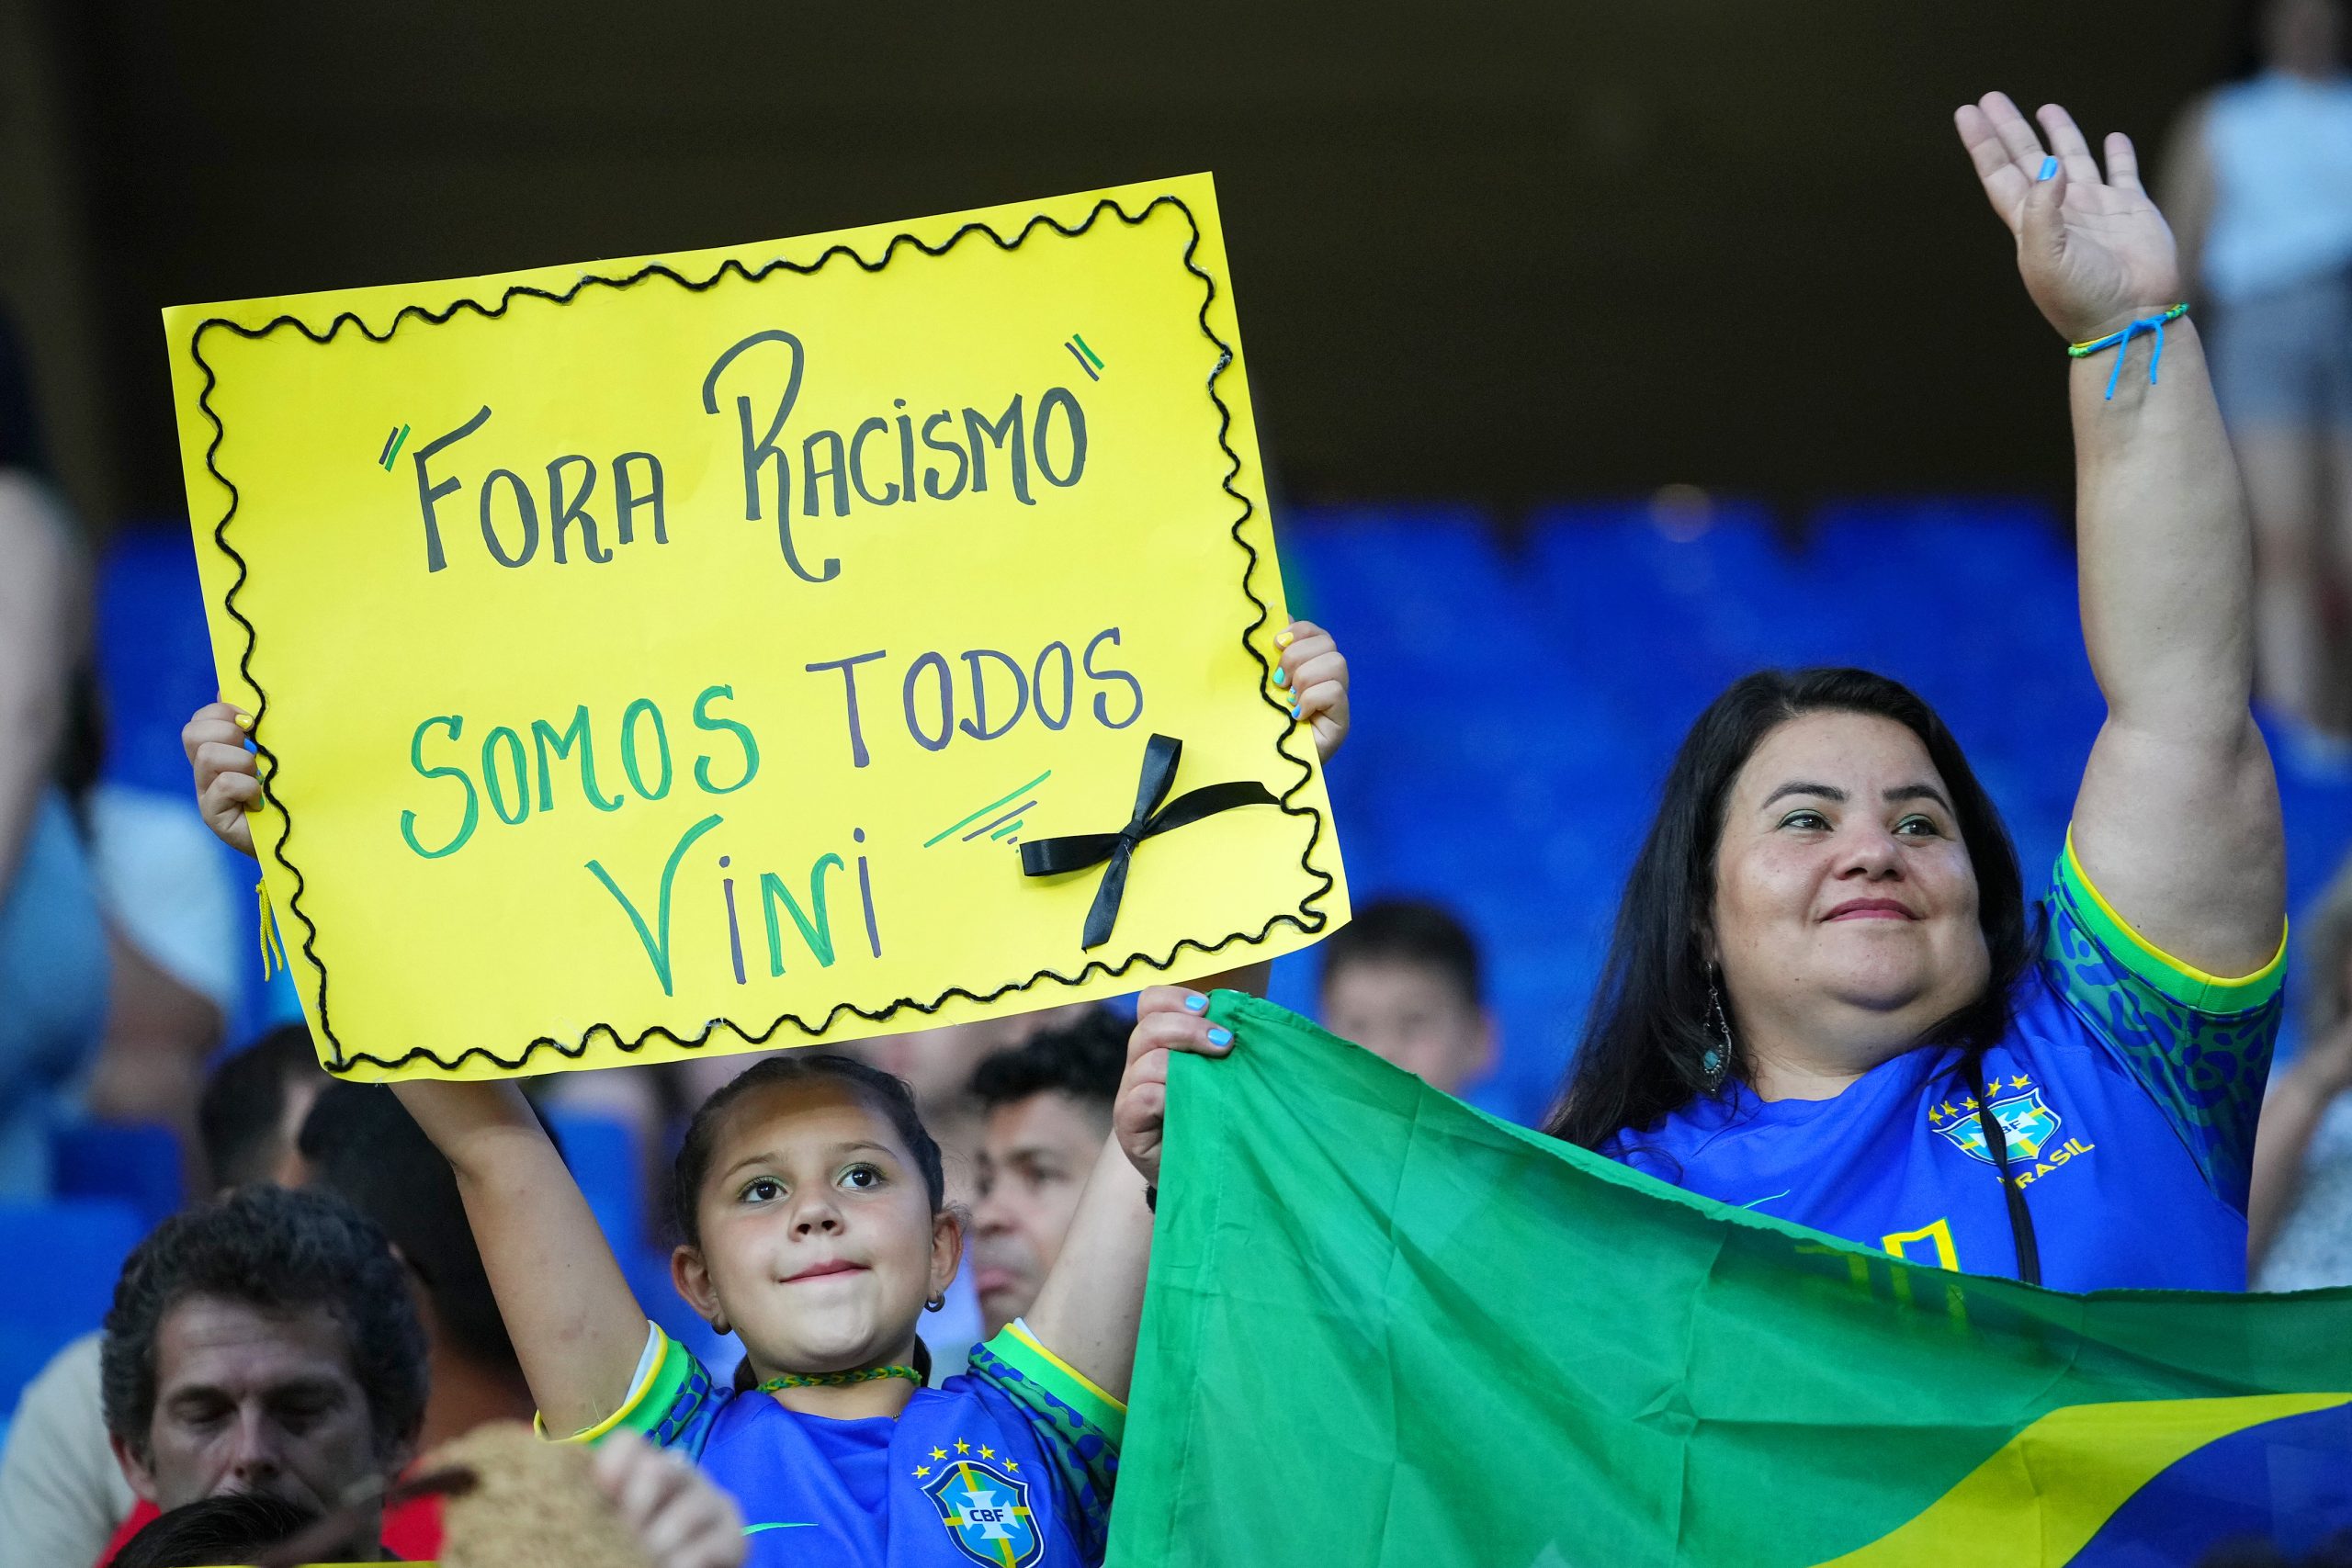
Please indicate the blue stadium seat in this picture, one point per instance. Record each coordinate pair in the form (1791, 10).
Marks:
(1418, 592)
(135, 1165)
(154, 667)
(63, 1258)
(1938, 540)
(1514, 713)
(1990, 573)
(1519, 794)
(606, 1162)
(1294, 981)
(154, 654)
(2318, 831)
(1665, 610)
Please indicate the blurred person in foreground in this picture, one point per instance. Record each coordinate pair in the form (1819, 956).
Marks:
(235, 1526)
(266, 1342)
(1401, 980)
(115, 953)
(1046, 1105)
(2258, 184)
(62, 1495)
(520, 1503)
(624, 1504)
(55, 969)
(2299, 1222)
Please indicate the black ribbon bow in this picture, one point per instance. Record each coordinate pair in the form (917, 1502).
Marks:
(1076, 851)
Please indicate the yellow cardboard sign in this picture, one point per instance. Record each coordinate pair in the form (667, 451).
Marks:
(674, 654)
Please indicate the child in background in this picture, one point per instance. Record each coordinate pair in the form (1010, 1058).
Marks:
(813, 1205)
(1401, 980)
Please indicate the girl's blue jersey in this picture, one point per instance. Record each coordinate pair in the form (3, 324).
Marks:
(2127, 1087)
(1008, 1465)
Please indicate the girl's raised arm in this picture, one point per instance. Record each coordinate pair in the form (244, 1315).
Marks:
(577, 1328)
(2177, 823)
(1092, 1303)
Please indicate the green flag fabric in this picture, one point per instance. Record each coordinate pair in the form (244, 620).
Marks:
(1385, 1329)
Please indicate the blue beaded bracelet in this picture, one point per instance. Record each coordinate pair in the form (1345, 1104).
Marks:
(2116, 340)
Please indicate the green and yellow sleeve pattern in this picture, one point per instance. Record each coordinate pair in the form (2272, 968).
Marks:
(670, 1403)
(2200, 1043)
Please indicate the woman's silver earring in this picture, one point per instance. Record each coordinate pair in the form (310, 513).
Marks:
(936, 1302)
(1716, 1063)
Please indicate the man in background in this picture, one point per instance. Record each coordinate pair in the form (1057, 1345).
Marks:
(265, 1342)
(1045, 1111)
(251, 1109)
(61, 1493)
(937, 1065)
(1401, 980)
(358, 1143)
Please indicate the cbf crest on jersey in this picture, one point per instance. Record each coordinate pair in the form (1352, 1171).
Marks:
(985, 1510)
(2029, 1123)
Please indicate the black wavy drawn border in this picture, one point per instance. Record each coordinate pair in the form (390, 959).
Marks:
(1309, 918)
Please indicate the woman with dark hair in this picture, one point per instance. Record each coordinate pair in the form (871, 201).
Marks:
(1660, 1029)
(1826, 999)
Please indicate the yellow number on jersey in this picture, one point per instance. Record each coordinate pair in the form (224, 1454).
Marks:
(1938, 1236)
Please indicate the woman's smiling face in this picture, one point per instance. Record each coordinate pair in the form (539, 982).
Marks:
(1846, 903)
(819, 1237)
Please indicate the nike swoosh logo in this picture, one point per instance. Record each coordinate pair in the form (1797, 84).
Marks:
(796, 1525)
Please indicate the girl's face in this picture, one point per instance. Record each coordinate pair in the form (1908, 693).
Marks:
(820, 1245)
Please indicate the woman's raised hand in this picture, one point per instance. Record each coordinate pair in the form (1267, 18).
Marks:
(1167, 1018)
(228, 777)
(2095, 252)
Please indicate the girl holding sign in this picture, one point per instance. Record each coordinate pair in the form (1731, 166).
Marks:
(812, 1204)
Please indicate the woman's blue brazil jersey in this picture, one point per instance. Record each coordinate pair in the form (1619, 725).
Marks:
(2127, 1087)
(1008, 1465)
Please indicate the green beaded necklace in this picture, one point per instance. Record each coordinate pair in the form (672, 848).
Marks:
(839, 1380)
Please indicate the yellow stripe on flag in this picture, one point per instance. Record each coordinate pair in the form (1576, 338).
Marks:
(2066, 1474)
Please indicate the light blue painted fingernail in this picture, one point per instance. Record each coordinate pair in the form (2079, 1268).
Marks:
(1194, 1004)
(1294, 710)
(1282, 677)
(2049, 168)
(1220, 1037)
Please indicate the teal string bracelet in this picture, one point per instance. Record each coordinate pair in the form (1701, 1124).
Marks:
(840, 1380)
(2118, 341)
